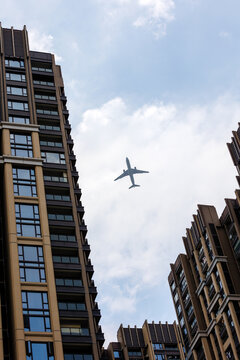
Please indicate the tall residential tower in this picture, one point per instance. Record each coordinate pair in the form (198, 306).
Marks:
(47, 295)
(205, 282)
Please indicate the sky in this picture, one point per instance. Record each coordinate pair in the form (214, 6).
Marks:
(157, 81)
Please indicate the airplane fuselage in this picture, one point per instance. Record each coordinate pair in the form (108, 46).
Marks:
(130, 171)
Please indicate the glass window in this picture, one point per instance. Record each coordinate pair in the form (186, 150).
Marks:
(44, 83)
(159, 357)
(51, 157)
(14, 63)
(45, 97)
(51, 143)
(16, 105)
(47, 112)
(134, 353)
(78, 357)
(27, 220)
(39, 351)
(24, 182)
(16, 91)
(71, 306)
(21, 145)
(56, 178)
(19, 119)
(68, 282)
(66, 259)
(62, 237)
(41, 67)
(35, 311)
(75, 331)
(15, 77)
(31, 263)
(49, 127)
(60, 217)
(116, 354)
(157, 346)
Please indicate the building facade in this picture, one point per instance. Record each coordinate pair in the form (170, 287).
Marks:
(47, 295)
(154, 341)
(205, 282)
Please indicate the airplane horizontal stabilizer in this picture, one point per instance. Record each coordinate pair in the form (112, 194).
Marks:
(134, 186)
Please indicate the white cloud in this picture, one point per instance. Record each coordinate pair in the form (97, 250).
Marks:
(136, 233)
(42, 42)
(151, 14)
(158, 13)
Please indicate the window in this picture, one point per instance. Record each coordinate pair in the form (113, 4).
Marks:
(62, 179)
(68, 282)
(19, 119)
(21, 145)
(16, 91)
(39, 351)
(49, 127)
(134, 353)
(66, 259)
(47, 112)
(157, 346)
(56, 158)
(16, 105)
(159, 357)
(27, 220)
(44, 97)
(44, 83)
(62, 237)
(31, 263)
(60, 217)
(35, 311)
(24, 182)
(78, 357)
(173, 286)
(14, 63)
(116, 354)
(43, 68)
(51, 143)
(181, 322)
(15, 77)
(176, 297)
(69, 306)
(75, 331)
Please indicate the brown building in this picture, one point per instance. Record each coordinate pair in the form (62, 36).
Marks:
(154, 341)
(47, 295)
(205, 283)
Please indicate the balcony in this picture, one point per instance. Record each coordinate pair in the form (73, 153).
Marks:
(100, 336)
(86, 248)
(83, 228)
(68, 310)
(75, 335)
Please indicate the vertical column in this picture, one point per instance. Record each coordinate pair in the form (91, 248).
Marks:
(15, 287)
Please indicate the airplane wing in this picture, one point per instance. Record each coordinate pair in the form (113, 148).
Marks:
(136, 171)
(125, 173)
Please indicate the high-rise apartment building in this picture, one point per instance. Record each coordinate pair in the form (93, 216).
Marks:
(47, 295)
(205, 282)
(154, 341)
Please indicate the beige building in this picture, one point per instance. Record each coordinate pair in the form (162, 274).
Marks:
(153, 341)
(48, 308)
(205, 282)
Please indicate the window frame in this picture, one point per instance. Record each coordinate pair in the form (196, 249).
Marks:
(24, 224)
(31, 313)
(25, 265)
(21, 182)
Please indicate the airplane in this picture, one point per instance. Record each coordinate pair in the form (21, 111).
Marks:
(130, 172)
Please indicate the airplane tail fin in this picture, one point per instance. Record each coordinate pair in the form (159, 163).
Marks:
(134, 186)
